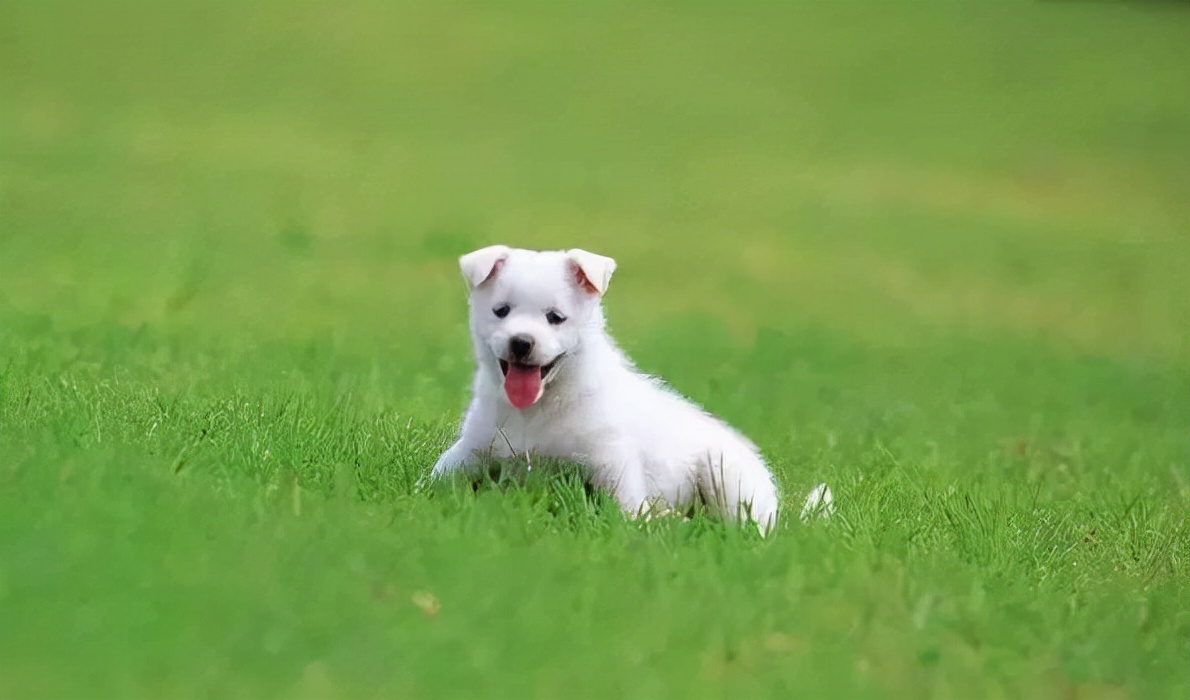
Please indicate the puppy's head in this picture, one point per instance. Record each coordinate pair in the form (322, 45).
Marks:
(530, 309)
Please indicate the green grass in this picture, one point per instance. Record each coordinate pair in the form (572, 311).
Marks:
(935, 254)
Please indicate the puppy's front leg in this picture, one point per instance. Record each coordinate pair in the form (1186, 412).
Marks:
(475, 436)
(458, 457)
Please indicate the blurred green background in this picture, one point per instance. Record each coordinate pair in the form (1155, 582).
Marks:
(995, 167)
(935, 253)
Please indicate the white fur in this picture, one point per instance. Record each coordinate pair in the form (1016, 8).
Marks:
(820, 503)
(646, 445)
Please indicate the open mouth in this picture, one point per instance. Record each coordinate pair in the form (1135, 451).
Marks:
(524, 384)
(544, 370)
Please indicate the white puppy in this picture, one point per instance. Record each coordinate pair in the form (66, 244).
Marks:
(551, 382)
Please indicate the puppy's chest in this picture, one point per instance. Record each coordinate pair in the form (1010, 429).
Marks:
(541, 433)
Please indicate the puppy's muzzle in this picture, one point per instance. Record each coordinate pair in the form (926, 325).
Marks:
(520, 347)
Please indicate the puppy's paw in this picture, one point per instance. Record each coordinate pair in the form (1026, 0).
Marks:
(653, 509)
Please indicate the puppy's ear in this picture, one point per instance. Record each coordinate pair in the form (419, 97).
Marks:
(592, 272)
(479, 265)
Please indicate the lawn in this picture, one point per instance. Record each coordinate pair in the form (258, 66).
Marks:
(934, 254)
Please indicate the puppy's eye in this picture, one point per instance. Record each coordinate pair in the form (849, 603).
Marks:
(554, 318)
(502, 310)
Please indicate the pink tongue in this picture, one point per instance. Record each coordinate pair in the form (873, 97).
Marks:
(522, 384)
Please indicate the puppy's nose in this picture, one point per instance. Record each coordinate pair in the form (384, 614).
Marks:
(520, 346)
